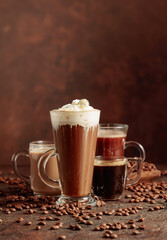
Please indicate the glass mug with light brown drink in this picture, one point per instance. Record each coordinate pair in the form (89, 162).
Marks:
(111, 141)
(39, 150)
(75, 128)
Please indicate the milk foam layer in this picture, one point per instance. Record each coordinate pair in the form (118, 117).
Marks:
(79, 112)
(42, 150)
(109, 133)
(110, 163)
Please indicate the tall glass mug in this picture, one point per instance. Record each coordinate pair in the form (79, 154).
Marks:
(75, 134)
(111, 141)
(39, 150)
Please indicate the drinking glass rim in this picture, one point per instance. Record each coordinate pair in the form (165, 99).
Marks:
(115, 158)
(73, 111)
(113, 125)
(42, 143)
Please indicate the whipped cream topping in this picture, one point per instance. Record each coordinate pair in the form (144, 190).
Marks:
(79, 112)
(77, 105)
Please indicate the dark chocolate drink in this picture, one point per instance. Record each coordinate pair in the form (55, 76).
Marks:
(109, 178)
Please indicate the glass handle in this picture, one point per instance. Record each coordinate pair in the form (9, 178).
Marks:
(138, 146)
(15, 165)
(42, 169)
(137, 167)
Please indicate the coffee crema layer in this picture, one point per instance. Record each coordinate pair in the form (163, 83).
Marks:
(110, 163)
(110, 133)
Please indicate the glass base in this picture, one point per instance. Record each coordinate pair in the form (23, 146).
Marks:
(110, 198)
(42, 194)
(87, 200)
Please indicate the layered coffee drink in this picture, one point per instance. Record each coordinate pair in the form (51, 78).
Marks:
(110, 143)
(109, 178)
(75, 129)
(37, 185)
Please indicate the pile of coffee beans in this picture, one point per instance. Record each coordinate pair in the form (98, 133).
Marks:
(19, 199)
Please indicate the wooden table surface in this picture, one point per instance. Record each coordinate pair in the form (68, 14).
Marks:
(155, 222)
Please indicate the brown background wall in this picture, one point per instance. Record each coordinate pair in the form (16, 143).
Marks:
(113, 53)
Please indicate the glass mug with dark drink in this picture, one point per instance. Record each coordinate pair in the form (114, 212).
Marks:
(39, 150)
(75, 134)
(110, 175)
(111, 141)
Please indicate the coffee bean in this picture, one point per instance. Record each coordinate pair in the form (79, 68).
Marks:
(135, 232)
(56, 218)
(99, 203)
(38, 227)
(99, 217)
(77, 227)
(54, 227)
(0, 220)
(96, 229)
(118, 214)
(126, 214)
(124, 226)
(93, 214)
(19, 220)
(113, 235)
(132, 212)
(89, 223)
(156, 207)
(62, 237)
(109, 231)
(45, 212)
(42, 223)
(49, 218)
(141, 226)
(139, 208)
(141, 220)
(128, 196)
(42, 218)
(133, 226)
(106, 235)
(99, 213)
(151, 209)
(28, 223)
(131, 221)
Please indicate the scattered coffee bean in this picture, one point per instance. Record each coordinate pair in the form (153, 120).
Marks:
(20, 219)
(77, 227)
(131, 221)
(113, 235)
(42, 223)
(28, 223)
(135, 232)
(54, 227)
(38, 227)
(62, 237)
(133, 226)
(142, 227)
(89, 223)
(141, 220)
